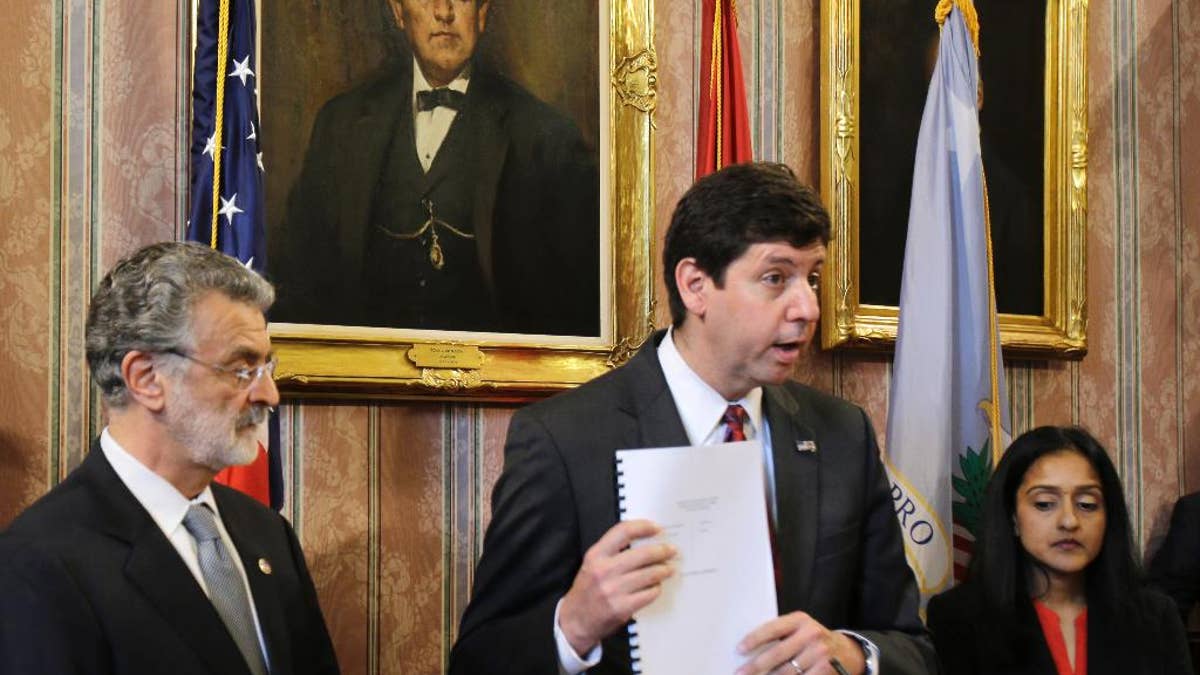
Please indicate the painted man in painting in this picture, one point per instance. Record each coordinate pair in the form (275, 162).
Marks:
(443, 196)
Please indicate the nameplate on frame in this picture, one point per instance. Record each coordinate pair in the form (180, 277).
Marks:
(463, 357)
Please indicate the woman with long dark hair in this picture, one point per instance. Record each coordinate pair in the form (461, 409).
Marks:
(1054, 586)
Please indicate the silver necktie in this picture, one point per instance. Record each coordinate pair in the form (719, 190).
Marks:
(225, 586)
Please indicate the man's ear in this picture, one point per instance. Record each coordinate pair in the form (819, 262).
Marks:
(483, 12)
(144, 377)
(693, 284)
(398, 12)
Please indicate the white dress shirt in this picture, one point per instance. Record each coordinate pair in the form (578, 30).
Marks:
(167, 507)
(431, 126)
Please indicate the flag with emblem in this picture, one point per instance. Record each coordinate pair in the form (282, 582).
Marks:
(948, 406)
(723, 137)
(226, 205)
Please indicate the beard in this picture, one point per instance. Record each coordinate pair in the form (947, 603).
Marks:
(213, 438)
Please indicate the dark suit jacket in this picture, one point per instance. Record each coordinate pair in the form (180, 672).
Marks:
(1144, 640)
(1176, 567)
(89, 584)
(536, 206)
(839, 541)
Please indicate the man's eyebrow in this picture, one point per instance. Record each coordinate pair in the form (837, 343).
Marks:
(248, 354)
(781, 260)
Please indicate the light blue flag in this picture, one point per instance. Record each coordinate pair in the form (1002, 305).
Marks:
(947, 373)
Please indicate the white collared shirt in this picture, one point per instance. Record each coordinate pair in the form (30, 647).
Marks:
(167, 507)
(431, 126)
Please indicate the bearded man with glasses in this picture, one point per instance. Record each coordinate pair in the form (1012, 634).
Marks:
(138, 562)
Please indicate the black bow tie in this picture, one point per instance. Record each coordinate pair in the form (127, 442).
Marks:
(432, 98)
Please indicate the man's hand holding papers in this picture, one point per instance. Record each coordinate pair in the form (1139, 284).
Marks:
(615, 581)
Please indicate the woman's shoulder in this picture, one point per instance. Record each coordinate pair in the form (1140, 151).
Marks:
(1142, 604)
(964, 598)
(1150, 604)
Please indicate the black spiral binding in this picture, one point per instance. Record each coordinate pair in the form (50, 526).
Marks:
(631, 627)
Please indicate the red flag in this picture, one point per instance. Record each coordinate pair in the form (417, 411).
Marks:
(724, 129)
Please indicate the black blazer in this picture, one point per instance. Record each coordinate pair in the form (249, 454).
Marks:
(840, 543)
(1149, 640)
(89, 584)
(535, 207)
(1176, 566)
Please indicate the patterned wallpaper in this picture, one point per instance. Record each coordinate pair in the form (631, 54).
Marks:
(28, 228)
(391, 498)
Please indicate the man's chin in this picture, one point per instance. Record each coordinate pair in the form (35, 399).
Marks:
(245, 447)
(240, 453)
(445, 66)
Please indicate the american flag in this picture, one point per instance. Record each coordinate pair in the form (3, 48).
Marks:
(226, 149)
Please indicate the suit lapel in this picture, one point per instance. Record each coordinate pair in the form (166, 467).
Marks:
(797, 495)
(262, 585)
(385, 114)
(154, 567)
(486, 113)
(649, 401)
(1107, 646)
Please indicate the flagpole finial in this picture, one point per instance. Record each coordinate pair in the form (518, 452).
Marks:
(970, 17)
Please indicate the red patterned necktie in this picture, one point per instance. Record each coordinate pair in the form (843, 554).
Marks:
(735, 419)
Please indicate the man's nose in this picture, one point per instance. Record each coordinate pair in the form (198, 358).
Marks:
(443, 10)
(803, 304)
(264, 390)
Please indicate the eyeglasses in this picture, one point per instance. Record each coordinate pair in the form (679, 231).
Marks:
(245, 376)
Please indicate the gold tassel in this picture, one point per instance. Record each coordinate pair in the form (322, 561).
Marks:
(970, 17)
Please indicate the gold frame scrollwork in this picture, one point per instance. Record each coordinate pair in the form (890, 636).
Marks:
(338, 361)
(1061, 331)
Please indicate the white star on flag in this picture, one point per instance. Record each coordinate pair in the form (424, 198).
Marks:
(253, 133)
(260, 164)
(228, 208)
(241, 70)
(210, 145)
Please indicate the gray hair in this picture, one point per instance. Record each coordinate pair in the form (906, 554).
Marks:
(145, 303)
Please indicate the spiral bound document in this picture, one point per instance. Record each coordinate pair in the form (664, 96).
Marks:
(710, 502)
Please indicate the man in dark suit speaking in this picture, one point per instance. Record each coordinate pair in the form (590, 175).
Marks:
(557, 581)
(443, 196)
(137, 563)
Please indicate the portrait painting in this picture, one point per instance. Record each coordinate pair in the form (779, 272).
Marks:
(899, 48)
(435, 165)
(877, 57)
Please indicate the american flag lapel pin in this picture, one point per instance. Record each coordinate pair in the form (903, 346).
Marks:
(806, 446)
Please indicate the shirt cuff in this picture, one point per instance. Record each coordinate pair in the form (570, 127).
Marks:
(570, 663)
(870, 651)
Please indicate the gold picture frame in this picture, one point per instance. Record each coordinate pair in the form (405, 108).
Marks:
(1061, 329)
(330, 361)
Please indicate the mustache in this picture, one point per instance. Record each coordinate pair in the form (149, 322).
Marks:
(254, 416)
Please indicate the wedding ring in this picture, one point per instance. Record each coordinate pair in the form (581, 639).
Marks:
(799, 670)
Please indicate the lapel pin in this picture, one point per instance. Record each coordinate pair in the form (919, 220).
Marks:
(264, 565)
(805, 447)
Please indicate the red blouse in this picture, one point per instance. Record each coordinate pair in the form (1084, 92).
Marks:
(1058, 646)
